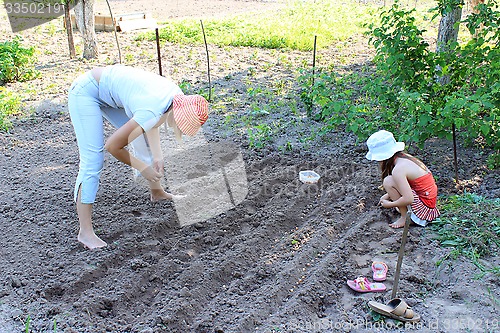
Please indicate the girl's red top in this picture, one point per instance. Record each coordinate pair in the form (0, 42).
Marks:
(426, 189)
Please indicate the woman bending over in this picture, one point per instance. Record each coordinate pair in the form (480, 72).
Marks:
(136, 103)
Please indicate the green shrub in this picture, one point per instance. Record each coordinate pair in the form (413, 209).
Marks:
(17, 63)
(10, 104)
(401, 92)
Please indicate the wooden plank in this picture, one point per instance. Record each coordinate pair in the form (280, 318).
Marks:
(129, 25)
(124, 22)
(132, 16)
(99, 23)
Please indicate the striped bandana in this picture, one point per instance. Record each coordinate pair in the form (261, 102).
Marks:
(190, 112)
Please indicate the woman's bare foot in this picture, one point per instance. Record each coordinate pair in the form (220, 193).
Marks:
(159, 195)
(399, 223)
(91, 240)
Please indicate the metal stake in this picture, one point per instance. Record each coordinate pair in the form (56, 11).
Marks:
(208, 63)
(158, 50)
(314, 59)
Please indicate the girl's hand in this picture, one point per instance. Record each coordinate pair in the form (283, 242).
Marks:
(159, 166)
(384, 197)
(151, 174)
(385, 203)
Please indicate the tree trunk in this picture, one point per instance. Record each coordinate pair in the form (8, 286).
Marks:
(69, 30)
(448, 33)
(79, 16)
(448, 30)
(84, 13)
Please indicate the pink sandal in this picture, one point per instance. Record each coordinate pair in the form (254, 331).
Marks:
(362, 285)
(380, 270)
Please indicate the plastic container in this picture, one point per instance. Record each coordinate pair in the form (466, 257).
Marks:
(308, 177)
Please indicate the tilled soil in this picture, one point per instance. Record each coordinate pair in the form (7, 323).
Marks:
(272, 255)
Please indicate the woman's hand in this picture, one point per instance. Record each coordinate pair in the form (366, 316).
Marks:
(153, 136)
(151, 174)
(159, 166)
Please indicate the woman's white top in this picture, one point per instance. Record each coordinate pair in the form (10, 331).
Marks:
(145, 96)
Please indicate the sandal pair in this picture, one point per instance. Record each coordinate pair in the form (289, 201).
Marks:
(362, 285)
(395, 309)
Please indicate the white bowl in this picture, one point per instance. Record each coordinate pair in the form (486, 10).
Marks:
(308, 177)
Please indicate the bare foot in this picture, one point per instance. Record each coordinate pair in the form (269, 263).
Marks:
(399, 223)
(159, 195)
(91, 241)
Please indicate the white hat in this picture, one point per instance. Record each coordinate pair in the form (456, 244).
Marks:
(382, 146)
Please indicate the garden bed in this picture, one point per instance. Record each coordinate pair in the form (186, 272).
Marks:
(277, 262)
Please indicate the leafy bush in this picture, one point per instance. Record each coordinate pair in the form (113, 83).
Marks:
(16, 61)
(402, 92)
(10, 104)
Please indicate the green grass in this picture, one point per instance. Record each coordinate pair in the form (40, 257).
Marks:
(470, 227)
(27, 324)
(291, 28)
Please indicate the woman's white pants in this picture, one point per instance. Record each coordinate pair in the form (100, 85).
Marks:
(87, 112)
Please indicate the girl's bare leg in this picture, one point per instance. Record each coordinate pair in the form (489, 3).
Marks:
(394, 194)
(86, 235)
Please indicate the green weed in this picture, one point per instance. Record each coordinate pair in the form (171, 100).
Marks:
(129, 58)
(185, 86)
(493, 161)
(51, 29)
(259, 136)
(27, 324)
(252, 72)
(78, 49)
(109, 61)
(280, 86)
(470, 227)
(254, 91)
(10, 105)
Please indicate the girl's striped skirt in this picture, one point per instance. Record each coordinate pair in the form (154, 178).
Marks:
(422, 212)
